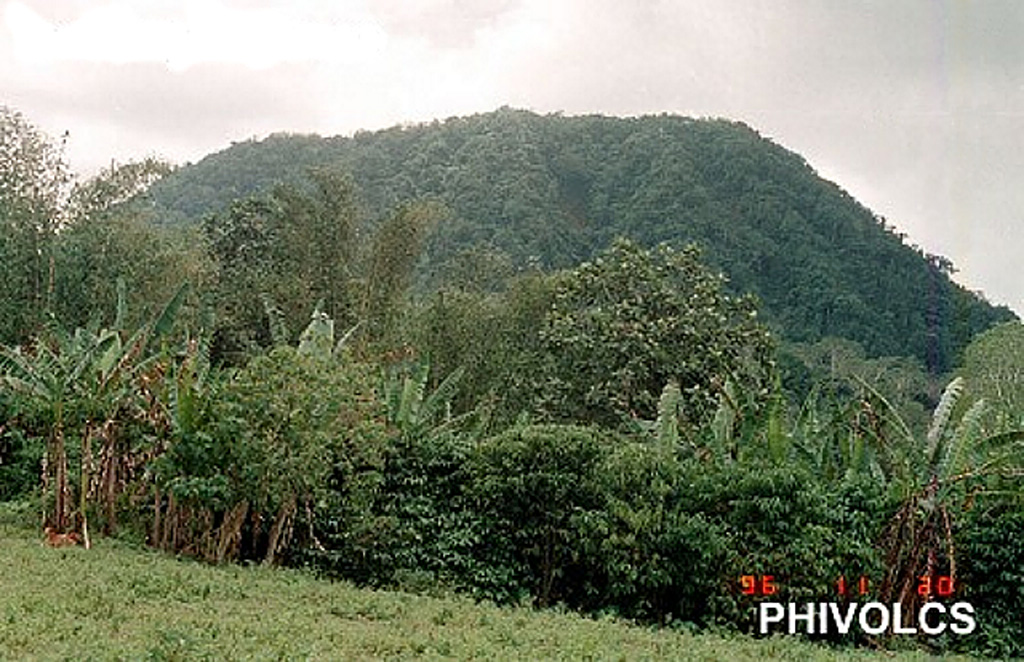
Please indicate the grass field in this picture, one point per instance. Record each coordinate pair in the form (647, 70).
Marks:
(116, 601)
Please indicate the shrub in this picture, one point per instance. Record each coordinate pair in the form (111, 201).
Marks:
(529, 484)
(261, 452)
(780, 521)
(415, 530)
(647, 558)
(20, 457)
(992, 554)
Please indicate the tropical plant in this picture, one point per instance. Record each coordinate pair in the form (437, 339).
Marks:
(89, 385)
(254, 451)
(95, 253)
(416, 529)
(492, 338)
(413, 410)
(936, 478)
(397, 245)
(304, 243)
(992, 547)
(645, 556)
(993, 367)
(47, 384)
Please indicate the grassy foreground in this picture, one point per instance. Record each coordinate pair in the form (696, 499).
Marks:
(119, 602)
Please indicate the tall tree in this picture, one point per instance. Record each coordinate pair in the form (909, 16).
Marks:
(109, 237)
(282, 254)
(397, 246)
(34, 181)
(302, 247)
(626, 324)
(315, 243)
(993, 366)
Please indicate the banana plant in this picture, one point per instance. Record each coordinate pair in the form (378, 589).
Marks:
(83, 384)
(728, 435)
(411, 409)
(825, 437)
(47, 380)
(935, 478)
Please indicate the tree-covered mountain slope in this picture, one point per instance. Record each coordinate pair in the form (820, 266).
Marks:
(526, 189)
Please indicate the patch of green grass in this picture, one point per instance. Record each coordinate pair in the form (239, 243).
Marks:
(119, 602)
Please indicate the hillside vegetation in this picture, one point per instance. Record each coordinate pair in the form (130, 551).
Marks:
(524, 189)
(393, 392)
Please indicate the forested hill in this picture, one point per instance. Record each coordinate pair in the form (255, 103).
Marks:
(525, 189)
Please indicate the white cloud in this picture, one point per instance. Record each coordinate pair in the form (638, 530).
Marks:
(201, 32)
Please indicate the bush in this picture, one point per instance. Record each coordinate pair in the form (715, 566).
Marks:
(415, 531)
(20, 457)
(263, 448)
(780, 521)
(647, 558)
(530, 484)
(992, 553)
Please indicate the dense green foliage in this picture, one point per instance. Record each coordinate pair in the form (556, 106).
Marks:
(251, 454)
(494, 337)
(64, 244)
(529, 483)
(994, 541)
(33, 187)
(993, 366)
(623, 326)
(525, 189)
(620, 436)
(275, 256)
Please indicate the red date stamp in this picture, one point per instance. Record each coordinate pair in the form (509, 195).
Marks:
(758, 585)
(942, 586)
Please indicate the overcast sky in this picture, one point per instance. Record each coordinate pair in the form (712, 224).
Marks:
(916, 107)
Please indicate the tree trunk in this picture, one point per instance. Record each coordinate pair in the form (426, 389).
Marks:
(83, 489)
(277, 532)
(231, 531)
(167, 539)
(60, 461)
(44, 472)
(108, 479)
(154, 538)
